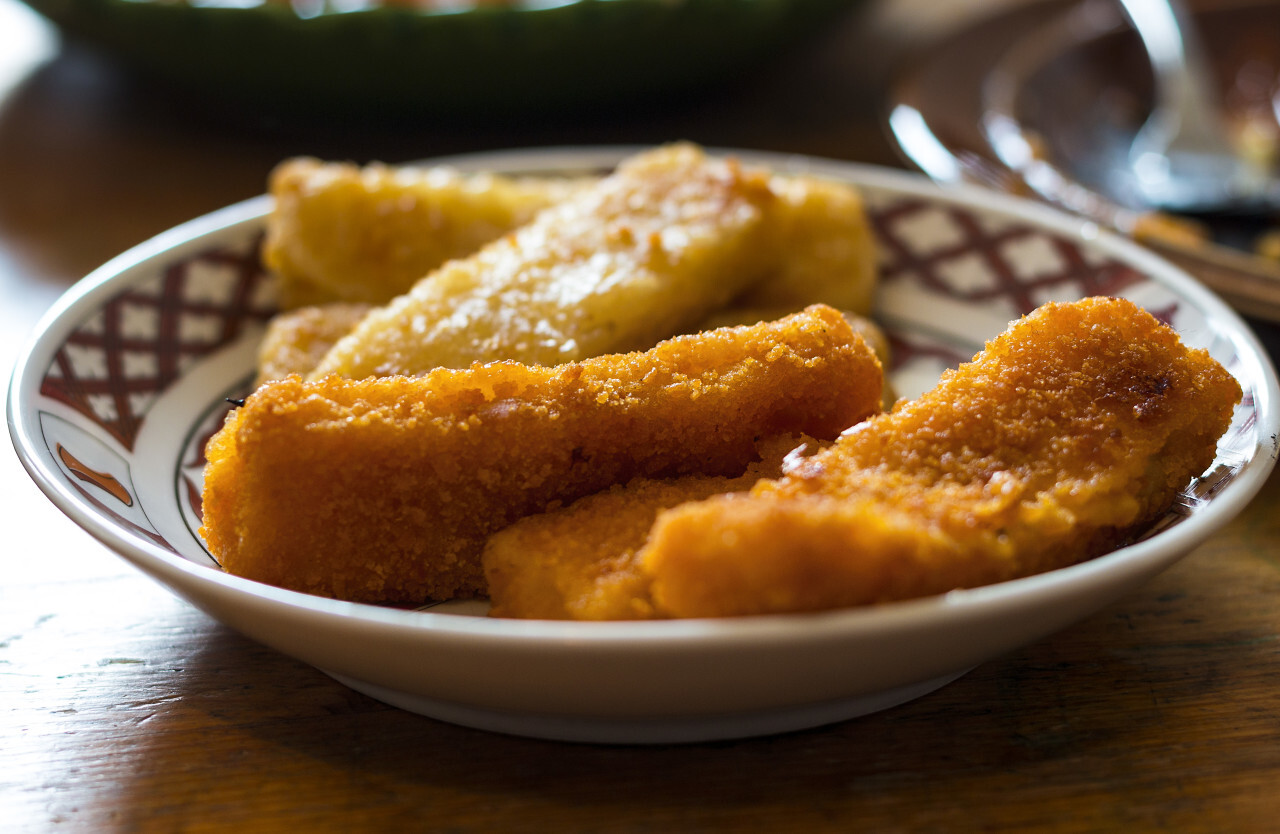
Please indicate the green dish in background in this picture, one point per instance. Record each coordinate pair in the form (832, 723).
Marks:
(488, 60)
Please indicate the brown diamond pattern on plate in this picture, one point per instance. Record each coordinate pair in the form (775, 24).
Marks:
(112, 367)
(977, 257)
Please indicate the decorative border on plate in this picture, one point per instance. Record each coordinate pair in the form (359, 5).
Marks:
(114, 365)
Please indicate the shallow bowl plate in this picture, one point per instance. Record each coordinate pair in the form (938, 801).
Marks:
(113, 400)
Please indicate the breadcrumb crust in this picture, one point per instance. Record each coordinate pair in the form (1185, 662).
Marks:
(384, 489)
(1068, 433)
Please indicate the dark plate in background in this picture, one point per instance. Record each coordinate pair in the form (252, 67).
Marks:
(491, 60)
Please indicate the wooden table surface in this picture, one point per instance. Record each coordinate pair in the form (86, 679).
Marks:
(124, 709)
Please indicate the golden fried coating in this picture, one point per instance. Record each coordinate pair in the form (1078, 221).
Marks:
(297, 340)
(340, 232)
(644, 254)
(1070, 432)
(384, 489)
(579, 562)
(863, 326)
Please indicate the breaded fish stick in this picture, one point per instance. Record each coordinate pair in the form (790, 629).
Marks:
(579, 562)
(340, 232)
(1070, 432)
(645, 254)
(384, 490)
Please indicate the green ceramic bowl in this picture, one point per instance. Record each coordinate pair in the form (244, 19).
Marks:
(518, 58)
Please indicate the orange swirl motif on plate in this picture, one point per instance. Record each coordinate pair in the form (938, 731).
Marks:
(103, 480)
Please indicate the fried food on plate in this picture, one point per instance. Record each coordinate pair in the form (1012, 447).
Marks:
(646, 253)
(1069, 433)
(362, 236)
(341, 232)
(579, 562)
(384, 489)
(297, 340)
(863, 326)
(829, 249)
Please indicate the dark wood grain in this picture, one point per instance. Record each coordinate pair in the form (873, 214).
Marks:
(124, 709)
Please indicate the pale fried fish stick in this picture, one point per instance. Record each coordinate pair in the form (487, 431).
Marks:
(297, 340)
(383, 490)
(1070, 432)
(646, 253)
(579, 562)
(341, 232)
(829, 249)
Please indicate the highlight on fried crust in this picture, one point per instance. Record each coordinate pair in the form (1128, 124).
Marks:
(384, 490)
(870, 332)
(644, 254)
(1069, 433)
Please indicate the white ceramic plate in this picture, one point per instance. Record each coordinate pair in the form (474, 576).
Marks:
(113, 400)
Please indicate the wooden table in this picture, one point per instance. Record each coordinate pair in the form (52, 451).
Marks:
(122, 708)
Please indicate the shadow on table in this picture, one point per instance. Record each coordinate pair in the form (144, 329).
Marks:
(1129, 700)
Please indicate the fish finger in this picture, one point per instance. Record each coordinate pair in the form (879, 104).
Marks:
(384, 489)
(644, 254)
(1068, 434)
